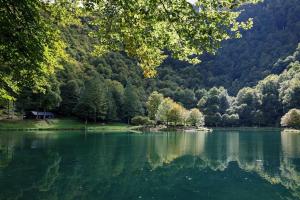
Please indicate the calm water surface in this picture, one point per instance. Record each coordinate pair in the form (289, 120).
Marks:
(223, 165)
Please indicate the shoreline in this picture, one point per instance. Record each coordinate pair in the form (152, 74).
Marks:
(66, 129)
(248, 128)
(291, 130)
(174, 128)
(69, 124)
(63, 124)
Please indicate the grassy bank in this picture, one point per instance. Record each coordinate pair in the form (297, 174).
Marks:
(60, 124)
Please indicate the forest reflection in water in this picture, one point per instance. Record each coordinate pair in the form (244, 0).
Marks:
(252, 164)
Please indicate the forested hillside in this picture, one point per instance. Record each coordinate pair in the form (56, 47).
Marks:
(243, 62)
(113, 87)
(261, 105)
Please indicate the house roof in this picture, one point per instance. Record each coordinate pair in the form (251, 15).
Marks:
(36, 113)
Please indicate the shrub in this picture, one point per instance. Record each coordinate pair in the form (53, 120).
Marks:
(141, 120)
(230, 120)
(291, 119)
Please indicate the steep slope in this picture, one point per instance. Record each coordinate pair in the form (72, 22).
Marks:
(245, 61)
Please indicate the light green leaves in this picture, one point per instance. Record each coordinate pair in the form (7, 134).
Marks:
(31, 45)
(149, 30)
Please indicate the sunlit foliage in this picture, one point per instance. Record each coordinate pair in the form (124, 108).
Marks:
(291, 119)
(144, 29)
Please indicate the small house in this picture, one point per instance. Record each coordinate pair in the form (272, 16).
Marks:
(39, 115)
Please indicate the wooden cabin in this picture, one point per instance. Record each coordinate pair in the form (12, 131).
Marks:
(39, 115)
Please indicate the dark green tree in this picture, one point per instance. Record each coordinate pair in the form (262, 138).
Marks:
(271, 107)
(132, 105)
(247, 104)
(93, 102)
(70, 94)
(186, 97)
(115, 100)
(214, 104)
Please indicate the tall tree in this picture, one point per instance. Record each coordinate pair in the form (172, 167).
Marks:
(271, 107)
(51, 98)
(93, 102)
(115, 100)
(70, 94)
(248, 103)
(163, 111)
(154, 100)
(214, 104)
(132, 105)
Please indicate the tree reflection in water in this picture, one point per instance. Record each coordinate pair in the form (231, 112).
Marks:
(219, 165)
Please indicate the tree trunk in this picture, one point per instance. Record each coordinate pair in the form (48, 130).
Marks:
(13, 110)
(8, 110)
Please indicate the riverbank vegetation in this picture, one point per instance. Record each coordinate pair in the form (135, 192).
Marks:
(291, 119)
(166, 111)
(61, 124)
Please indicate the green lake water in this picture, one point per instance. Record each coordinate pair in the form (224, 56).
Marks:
(222, 165)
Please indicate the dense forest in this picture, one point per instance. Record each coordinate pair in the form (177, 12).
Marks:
(251, 81)
(243, 62)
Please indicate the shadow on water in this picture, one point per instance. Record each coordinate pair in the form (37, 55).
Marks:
(248, 165)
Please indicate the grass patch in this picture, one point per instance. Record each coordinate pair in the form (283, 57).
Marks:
(61, 124)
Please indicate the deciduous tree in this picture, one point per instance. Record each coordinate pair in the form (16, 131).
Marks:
(196, 118)
(154, 100)
(291, 119)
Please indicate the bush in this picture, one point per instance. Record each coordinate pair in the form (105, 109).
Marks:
(141, 120)
(230, 120)
(196, 118)
(291, 119)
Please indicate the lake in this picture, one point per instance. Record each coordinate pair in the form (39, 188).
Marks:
(253, 164)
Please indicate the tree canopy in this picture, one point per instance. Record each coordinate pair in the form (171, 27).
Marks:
(144, 29)
(31, 46)
(291, 119)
